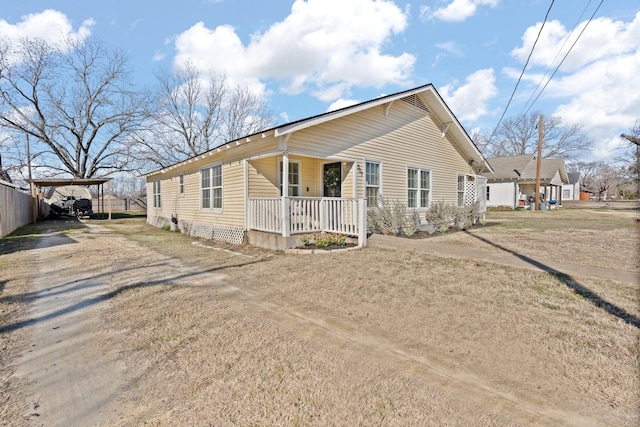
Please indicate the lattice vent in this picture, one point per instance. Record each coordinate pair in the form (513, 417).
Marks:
(416, 101)
(223, 233)
(470, 192)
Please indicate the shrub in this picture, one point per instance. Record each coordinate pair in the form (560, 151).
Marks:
(440, 213)
(323, 240)
(388, 218)
(430, 228)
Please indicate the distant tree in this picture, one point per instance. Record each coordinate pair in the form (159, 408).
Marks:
(600, 178)
(631, 156)
(75, 102)
(519, 135)
(195, 114)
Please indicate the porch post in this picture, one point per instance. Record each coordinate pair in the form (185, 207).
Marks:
(362, 226)
(286, 227)
(247, 214)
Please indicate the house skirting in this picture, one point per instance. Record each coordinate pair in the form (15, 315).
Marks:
(222, 233)
(272, 241)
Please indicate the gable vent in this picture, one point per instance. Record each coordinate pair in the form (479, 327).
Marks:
(416, 102)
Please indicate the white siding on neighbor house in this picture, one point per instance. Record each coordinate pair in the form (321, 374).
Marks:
(570, 192)
(502, 194)
(406, 137)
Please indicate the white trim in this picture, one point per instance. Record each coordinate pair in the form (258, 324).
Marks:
(211, 198)
(181, 185)
(380, 192)
(280, 176)
(158, 193)
(245, 169)
(419, 189)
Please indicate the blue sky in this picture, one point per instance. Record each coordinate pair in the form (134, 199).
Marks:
(307, 57)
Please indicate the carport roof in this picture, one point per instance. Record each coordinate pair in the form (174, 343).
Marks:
(57, 182)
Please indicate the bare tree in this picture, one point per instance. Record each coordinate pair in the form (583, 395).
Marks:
(519, 135)
(74, 100)
(631, 157)
(196, 114)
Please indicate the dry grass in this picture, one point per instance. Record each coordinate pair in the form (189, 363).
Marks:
(316, 340)
(603, 237)
(372, 337)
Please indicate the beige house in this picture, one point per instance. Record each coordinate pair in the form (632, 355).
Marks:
(322, 173)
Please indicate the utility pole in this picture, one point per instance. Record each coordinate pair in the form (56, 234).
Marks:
(539, 162)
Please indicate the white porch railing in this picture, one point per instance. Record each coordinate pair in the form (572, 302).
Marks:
(308, 215)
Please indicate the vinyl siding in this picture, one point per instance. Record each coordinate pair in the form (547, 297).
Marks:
(502, 194)
(187, 207)
(406, 137)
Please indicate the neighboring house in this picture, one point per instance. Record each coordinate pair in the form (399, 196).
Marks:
(321, 173)
(571, 190)
(513, 181)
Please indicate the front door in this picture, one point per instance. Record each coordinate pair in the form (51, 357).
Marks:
(332, 179)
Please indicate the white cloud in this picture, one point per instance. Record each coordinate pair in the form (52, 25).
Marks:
(470, 101)
(342, 103)
(49, 25)
(325, 47)
(621, 38)
(598, 80)
(456, 11)
(450, 47)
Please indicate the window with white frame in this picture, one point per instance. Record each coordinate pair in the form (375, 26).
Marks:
(181, 184)
(211, 187)
(372, 183)
(461, 181)
(294, 178)
(418, 188)
(157, 202)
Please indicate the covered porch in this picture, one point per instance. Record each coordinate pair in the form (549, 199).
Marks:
(312, 195)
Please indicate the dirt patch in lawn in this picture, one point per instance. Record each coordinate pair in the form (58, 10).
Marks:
(244, 336)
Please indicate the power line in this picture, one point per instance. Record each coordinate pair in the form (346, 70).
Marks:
(522, 73)
(554, 59)
(566, 54)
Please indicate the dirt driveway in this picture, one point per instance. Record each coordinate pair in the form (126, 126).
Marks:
(119, 333)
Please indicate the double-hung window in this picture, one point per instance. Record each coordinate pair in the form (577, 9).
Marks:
(372, 183)
(181, 184)
(211, 187)
(294, 178)
(418, 188)
(157, 202)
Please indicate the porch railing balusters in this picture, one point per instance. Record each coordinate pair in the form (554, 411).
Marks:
(306, 215)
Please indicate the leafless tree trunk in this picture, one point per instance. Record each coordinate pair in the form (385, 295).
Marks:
(74, 100)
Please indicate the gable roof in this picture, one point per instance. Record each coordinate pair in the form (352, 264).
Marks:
(523, 168)
(574, 177)
(425, 97)
(511, 167)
